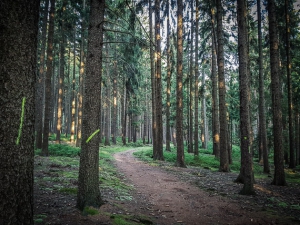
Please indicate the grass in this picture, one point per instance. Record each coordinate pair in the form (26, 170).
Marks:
(63, 167)
(207, 160)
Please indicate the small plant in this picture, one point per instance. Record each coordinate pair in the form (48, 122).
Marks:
(89, 211)
(68, 190)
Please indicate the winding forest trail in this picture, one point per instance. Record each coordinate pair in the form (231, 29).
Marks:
(170, 200)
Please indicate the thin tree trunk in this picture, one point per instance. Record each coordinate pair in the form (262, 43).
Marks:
(263, 147)
(215, 99)
(158, 154)
(115, 101)
(153, 84)
(289, 87)
(191, 81)
(246, 172)
(45, 151)
(73, 110)
(61, 78)
(168, 135)
(179, 94)
(40, 83)
(224, 163)
(279, 175)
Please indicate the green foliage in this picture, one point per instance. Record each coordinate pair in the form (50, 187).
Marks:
(39, 218)
(61, 150)
(89, 211)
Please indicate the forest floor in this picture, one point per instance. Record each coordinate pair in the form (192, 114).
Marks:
(160, 193)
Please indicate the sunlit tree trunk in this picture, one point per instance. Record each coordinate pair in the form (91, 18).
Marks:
(18, 50)
(39, 107)
(215, 98)
(115, 101)
(279, 175)
(88, 180)
(168, 128)
(61, 75)
(179, 95)
(48, 77)
(73, 98)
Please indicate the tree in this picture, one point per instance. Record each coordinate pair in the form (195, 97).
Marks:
(40, 83)
(179, 95)
(196, 137)
(246, 173)
(279, 175)
(61, 73)
(48, 78)
(289, 87)
(18, 48)
(224, 163)
(263, 148)
(215, 99)
(158, 153)
(169, 74)
(88, 180)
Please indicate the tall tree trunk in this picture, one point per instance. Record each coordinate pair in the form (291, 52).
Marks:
(263, 147)
(124, 112)
(45, 151)
(158, 153)
(196, 100)
(215, 98)
(289, 86)
(168, 128)
(107, 111)
(39, 105)
(61, 76)
(224, 162)
(279, 175)
(18, 38)
(81, 76)
(115, 101)
(73, 105)
(179, 94)
(153, 85)
(191, 81)
(88, 180)
(246, 173)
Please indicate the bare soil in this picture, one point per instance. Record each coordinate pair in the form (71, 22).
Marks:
(166, 195)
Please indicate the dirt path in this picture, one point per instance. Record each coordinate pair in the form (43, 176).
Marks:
(172, 201)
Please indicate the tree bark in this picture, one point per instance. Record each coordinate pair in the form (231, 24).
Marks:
(39, 106)
(224, 162)
(279, 175)
(263, 148)
(88, 180)
(48, 78)
(215, 99)
(246, 173)
(289, 87)
(196, 82)
(158, 153)
(179, 95)
(169, 74)
(61, 76)
(18, 47)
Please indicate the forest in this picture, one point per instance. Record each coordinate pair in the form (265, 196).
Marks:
(149, 112)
